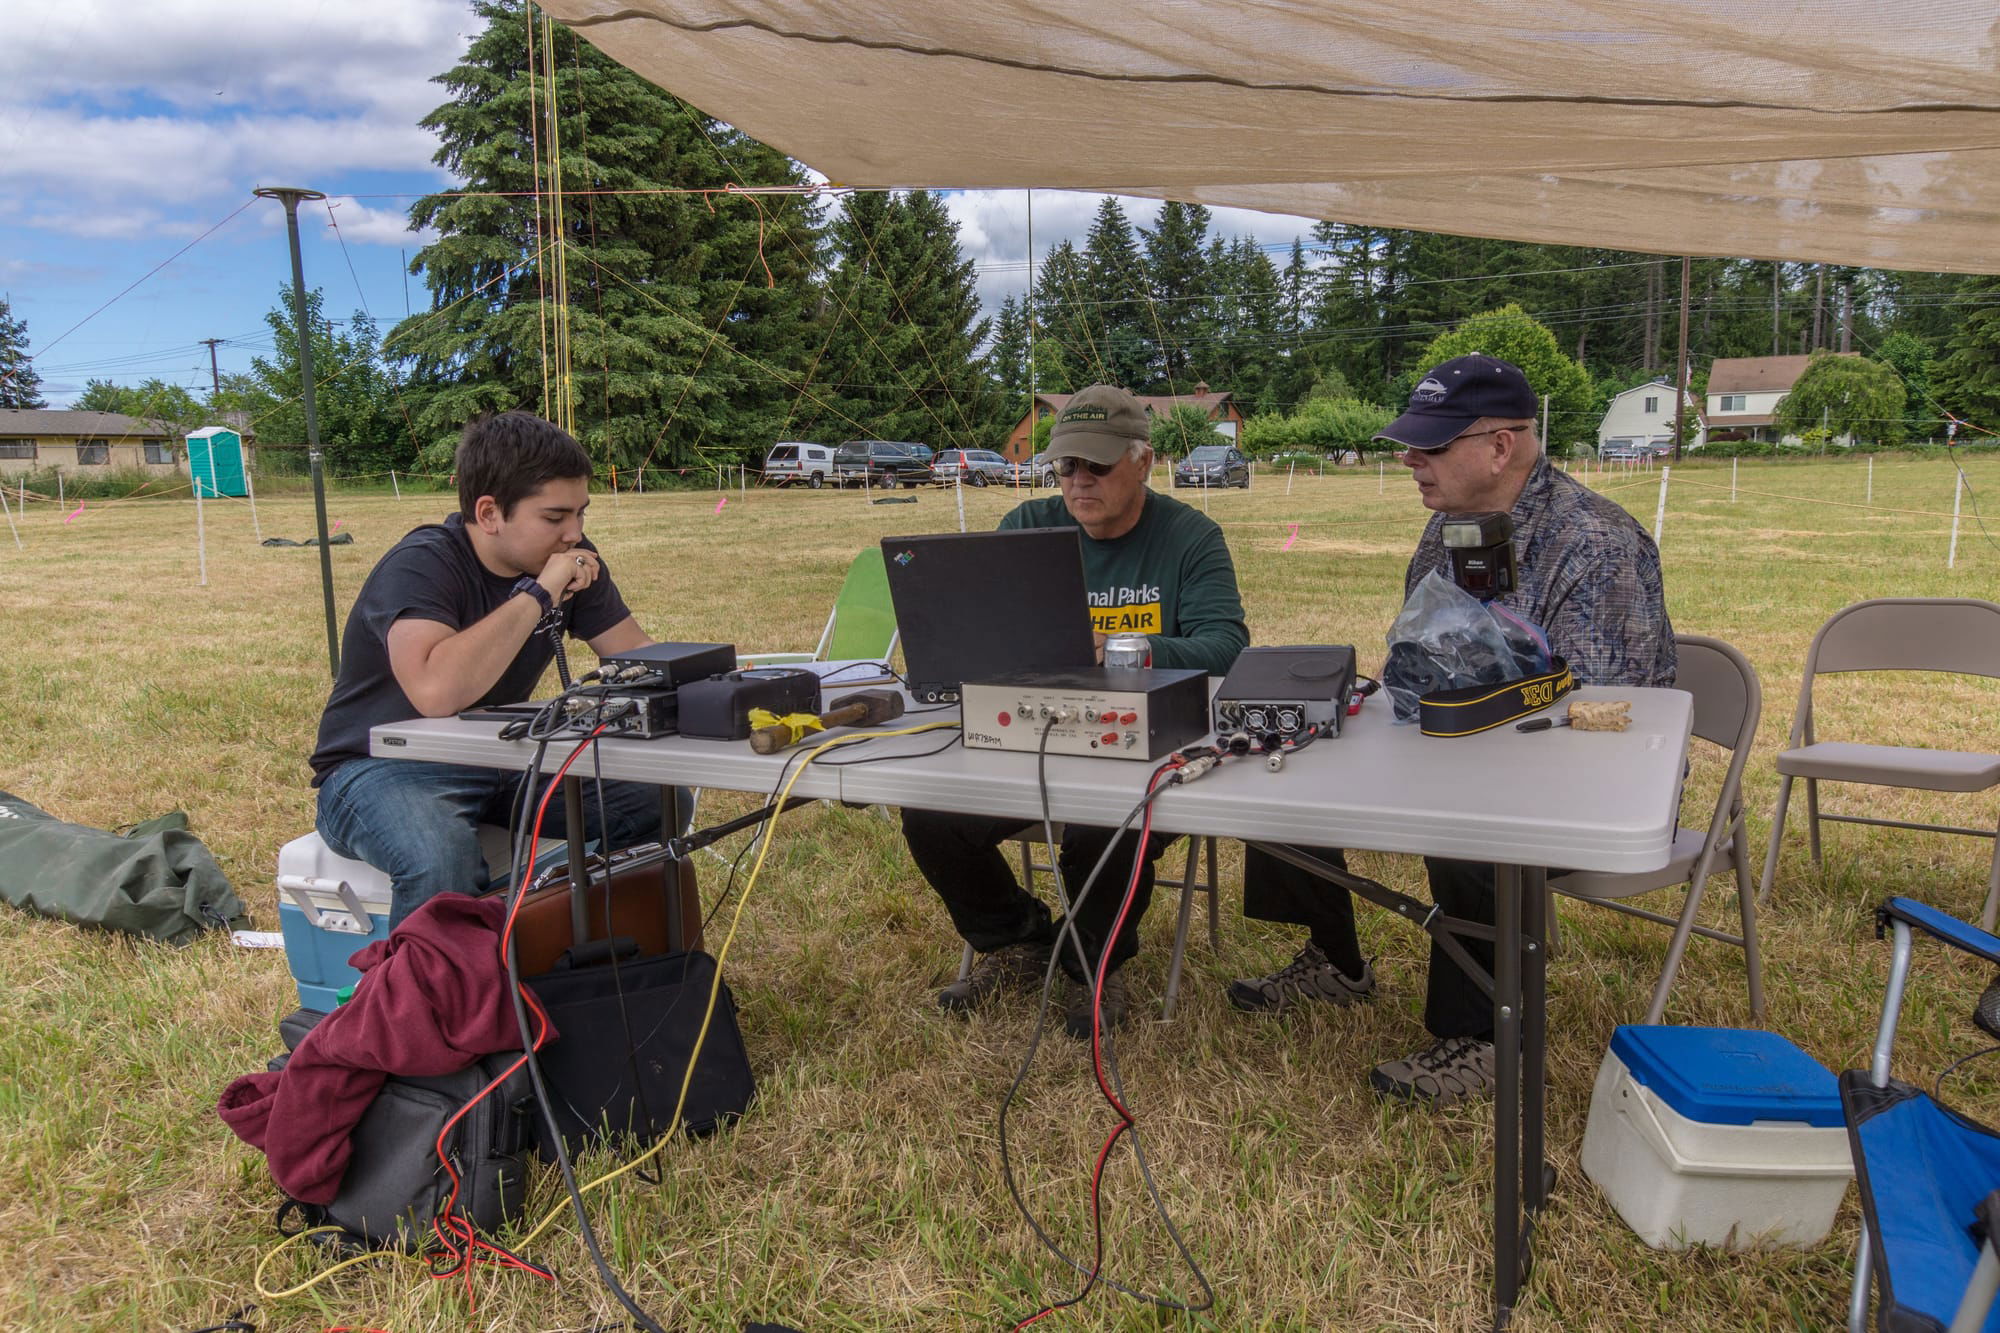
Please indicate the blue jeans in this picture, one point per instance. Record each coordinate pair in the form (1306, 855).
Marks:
(418, 823)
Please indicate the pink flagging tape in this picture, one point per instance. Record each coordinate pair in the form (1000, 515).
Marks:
(1294, 537)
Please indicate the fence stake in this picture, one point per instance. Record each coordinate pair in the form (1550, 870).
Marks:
(394, 484)
(62, 504)
(200, 534)
(1957, 493)
(1732, 479)
(1660, 514)
(1288, 475)
(250, 488)
(10, 519)
(958, 487)
(1870, 497)
(1381, 478)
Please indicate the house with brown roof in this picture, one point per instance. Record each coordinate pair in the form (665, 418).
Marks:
(38, 439)
(1744, 393)
(87, 443)
(1220, 407)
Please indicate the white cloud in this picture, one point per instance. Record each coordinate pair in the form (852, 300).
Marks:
(362, 225)
(121, 119)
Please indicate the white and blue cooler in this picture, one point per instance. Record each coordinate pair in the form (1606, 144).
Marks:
(1717, 1136)
(329, 907)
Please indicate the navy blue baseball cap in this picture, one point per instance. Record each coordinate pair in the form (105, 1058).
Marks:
(1453, 395)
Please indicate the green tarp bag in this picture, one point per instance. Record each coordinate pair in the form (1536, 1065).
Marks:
(156, 880)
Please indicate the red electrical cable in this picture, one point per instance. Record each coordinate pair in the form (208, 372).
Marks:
(1125, 1117)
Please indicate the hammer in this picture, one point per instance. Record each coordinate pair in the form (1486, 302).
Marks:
(866, 708)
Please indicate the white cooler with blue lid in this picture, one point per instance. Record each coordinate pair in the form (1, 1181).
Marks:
(1717, 1136)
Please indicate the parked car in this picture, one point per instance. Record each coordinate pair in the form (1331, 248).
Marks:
(883, 463)
(1213, 465)
(1041, 471)
(976, 467)
(921, 452)
(798, 460)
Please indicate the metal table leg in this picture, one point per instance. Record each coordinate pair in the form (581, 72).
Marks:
(1535, 1174)
(1507, 1099)
(579, 871)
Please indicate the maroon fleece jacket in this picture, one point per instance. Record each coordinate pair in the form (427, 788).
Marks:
(431, 1000)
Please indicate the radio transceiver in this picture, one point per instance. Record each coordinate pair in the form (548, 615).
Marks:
(1110, 712)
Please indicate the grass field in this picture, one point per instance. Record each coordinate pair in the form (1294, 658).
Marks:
(863, 1191)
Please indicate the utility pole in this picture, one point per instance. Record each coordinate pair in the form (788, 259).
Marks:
(214, 375)
(1681, 372)
(290, 197)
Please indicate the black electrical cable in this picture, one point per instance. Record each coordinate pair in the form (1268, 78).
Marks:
(1091, 1273)
(518, 993)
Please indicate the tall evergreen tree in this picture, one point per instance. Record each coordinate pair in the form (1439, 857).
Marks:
(20, 382)
(902, 359)
(1177, 279)
(1065, 348)
(1114, 298)
(1007, 364)
(686, 313)
(1968, 378)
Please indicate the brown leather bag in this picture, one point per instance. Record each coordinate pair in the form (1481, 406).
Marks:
(655, 904)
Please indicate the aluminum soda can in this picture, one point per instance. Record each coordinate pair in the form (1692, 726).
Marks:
(1128, 650)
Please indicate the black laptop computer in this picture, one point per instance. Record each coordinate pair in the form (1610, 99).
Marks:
(975, 604)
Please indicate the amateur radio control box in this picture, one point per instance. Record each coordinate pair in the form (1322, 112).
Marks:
(1100, 712)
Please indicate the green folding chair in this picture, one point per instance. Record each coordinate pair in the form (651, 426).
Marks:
(861, 626)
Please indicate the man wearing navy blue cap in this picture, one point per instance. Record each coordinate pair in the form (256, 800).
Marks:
(1590, 577)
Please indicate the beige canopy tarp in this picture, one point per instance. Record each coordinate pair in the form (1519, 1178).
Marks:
(1845, 131)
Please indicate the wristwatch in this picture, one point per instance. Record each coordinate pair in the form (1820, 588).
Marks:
(534, 589)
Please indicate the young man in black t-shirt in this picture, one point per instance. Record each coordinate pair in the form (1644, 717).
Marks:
(460, 614)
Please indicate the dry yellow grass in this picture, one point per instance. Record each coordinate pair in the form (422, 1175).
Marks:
(863, 1192)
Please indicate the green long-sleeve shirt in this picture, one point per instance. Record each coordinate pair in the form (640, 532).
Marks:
(1169, 578)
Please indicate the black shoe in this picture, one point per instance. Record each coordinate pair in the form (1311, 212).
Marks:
(1308, 978)
(1012, 967)
(1076, 1014)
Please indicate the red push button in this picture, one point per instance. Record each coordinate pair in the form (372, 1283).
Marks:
(1006, 719)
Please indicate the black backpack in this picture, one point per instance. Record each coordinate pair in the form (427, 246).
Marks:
(395, 1186)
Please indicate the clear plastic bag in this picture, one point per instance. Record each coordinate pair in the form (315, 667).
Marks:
(1445, 638)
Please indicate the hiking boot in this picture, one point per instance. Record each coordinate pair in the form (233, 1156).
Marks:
(1076, 1014)
(1011, 967)
(1307, 978)
(1454, 1070)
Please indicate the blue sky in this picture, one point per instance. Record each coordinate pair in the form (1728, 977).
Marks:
(129, 130)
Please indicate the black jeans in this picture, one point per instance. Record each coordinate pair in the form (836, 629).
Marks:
(1454, 1005)
(960, 856)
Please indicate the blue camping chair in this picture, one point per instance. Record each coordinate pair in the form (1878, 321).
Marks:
(1929, 1177)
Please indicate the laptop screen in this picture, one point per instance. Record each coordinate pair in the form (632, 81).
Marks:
(974, 604)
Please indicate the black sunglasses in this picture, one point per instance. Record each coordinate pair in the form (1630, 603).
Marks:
(1067, 465)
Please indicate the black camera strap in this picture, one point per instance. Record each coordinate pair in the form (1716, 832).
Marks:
(1477, 708)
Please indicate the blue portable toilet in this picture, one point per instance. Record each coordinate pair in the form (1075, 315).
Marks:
(215, 462)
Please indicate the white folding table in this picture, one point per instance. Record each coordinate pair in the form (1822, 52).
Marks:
(1524, 802)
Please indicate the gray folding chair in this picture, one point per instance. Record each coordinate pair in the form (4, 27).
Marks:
(1200, 851)
(1728, 701)
(1947, 634)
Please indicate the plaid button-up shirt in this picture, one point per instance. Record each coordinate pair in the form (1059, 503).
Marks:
(1590, 577)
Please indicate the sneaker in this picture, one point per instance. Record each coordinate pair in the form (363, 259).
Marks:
(1012, 967)
(1308, 977)
(1076, 1014)
(1452, 1071)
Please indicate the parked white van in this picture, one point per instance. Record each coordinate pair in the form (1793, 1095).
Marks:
(798, 460)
